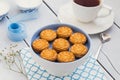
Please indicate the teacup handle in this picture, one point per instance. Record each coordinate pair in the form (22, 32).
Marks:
(109, 9)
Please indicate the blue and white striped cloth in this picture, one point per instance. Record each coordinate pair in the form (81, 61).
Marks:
(90, 70)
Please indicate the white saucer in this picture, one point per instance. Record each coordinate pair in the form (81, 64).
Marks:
(65, 15)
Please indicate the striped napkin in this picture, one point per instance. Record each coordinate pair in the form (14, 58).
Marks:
(90, 70)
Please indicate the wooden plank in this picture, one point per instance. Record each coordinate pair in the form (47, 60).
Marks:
(46, 17)
(112, 50)
(5, 43)
(110, 47)
(56, 4)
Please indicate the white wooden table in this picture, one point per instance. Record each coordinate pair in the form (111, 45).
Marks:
(48, 17)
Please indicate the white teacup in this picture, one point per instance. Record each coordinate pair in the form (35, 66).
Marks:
(4, 9)
(28, 5)
(88, 14)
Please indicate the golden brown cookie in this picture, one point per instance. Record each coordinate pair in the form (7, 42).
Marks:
(66, 56)
(49, 54)
(40, 44)
(77, 38)
(64, 31)
(48, 34)
(79, 50)
(61, 44)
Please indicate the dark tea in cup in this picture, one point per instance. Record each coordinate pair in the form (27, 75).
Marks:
(88, 3)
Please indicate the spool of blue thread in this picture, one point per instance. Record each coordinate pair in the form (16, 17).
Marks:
(16, 32)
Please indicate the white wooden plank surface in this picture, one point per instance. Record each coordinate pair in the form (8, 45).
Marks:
(5, 73)
(55, 5)
(46, 17)
(111, 48)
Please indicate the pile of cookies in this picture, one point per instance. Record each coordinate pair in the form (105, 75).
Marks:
(66, 45)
